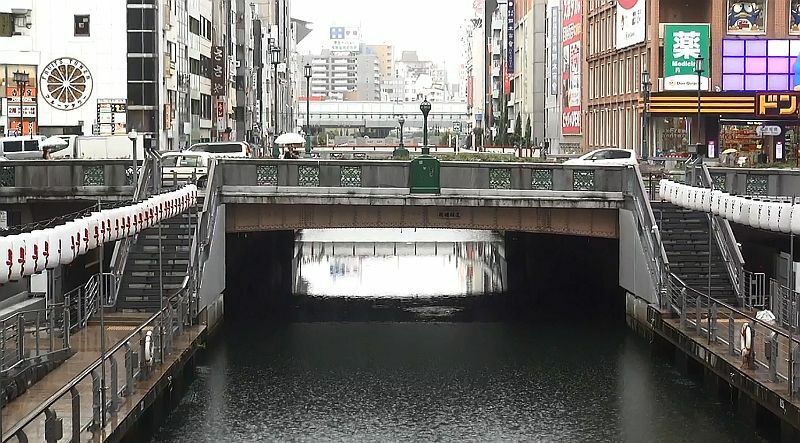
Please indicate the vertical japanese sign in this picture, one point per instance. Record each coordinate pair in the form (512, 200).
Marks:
(555, 49)
(218, 71)
(631, 27)
(510, 37)
(571, 34)
(683, 43)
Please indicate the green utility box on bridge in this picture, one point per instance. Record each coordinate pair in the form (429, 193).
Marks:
(424, 175)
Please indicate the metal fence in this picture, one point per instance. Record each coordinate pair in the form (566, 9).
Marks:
(46, 329)
(755, 290)
(719, 323)
(134, 359)
(783, 304)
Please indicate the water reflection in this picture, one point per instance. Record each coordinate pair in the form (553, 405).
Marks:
(398, 263)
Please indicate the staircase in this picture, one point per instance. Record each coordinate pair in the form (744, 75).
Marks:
(684, 234)
(139, 288)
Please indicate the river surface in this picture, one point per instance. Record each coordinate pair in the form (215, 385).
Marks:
(542, 379)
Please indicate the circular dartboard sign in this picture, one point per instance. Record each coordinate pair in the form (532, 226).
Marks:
(66, 83)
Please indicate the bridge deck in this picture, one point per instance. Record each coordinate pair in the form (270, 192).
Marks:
(86, 343)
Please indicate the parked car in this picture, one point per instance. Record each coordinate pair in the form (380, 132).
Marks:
(224, 149)
(23, 147)
(606, 156)
(181, 167)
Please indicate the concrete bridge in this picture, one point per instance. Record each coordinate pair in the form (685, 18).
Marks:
(252, 195)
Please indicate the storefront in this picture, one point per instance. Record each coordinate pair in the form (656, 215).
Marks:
(749, 129)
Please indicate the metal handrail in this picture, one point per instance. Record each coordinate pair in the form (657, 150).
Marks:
(726, 240)
(681, 296)
(162, 341)
(123, 247)
(657, 262)
(54, 319)
(204, 229)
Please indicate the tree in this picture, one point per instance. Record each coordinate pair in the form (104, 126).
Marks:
(518, 130)
(528, 133)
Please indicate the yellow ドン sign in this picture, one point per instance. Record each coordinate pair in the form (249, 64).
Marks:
(776, 104)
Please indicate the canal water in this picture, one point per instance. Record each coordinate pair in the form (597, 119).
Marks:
(416, 370)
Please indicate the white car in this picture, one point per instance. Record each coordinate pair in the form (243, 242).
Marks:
(179, 167)
(606, 156)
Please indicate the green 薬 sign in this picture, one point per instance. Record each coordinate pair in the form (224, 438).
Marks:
(683, 44)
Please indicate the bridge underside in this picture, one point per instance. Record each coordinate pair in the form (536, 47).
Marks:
(601, 223)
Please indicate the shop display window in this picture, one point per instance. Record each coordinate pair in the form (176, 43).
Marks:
(671, 136)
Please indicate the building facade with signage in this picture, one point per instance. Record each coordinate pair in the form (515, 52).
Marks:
(617, 39)
(748, 106)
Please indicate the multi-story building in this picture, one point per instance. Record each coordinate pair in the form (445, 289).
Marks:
(527, 59)
(345, 76)
(475, 67)
(422, 78)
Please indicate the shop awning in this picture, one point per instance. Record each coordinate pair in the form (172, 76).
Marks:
(710, 103)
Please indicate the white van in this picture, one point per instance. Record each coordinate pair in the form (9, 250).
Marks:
(23, 147)
(93, 147)
(224, 149)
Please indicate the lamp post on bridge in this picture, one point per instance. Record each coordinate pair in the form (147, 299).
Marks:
(21, 79)
(699, 69)
(308, 107)
(425, 107)
(646, 88)
(401, 151)
(133, 136)
(275, 53)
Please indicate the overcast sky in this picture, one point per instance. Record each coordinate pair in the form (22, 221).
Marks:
(431, 27)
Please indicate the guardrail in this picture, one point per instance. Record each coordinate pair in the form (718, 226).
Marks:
(783, 302)
(395, 174)
(141, 352)
(723, 235)
(657, 261)
(47, 328)
(717, 321)
(756, 181)
(120, 256)
(65, 179)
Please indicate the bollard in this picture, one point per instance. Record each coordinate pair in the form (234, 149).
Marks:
(731, 329)
(96, 406)
(53, 426)
(76, 414)
(115, 400)
(699, 315)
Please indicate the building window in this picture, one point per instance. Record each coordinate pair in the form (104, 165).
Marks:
(81, 26)
(141, 19)
(194, 66)
(205, 27)
(195, 107)
(205, 104)
(194, 26)
(141, 42)
(205, 66)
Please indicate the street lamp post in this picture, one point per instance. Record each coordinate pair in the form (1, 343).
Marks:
(133, 136)
(425, 107)
(402, 122)
(646, 85)
(699, 69)
(308, 107)
(275, 52)
(21, 79)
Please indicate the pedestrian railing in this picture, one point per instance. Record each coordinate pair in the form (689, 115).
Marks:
(29, 338)
(756, 296)
(716, 322)
(84, 300)
(123, 247)
(134, 359)
(784, 304)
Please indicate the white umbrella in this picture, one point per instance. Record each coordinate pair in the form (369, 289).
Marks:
(54, 142)
(290, 138)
